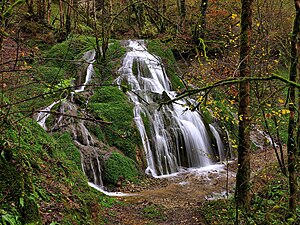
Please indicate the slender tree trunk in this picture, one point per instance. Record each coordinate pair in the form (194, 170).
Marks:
(87, 11)
(291, 144)
(178, 6)
(200, 27)
(203, 9)
(75, 14)
(39, 8)
(44, 9)
(242, 192)
(164, 7)
(61, 14)
(163, 12)
(49, 12)
(182, 9)
(1, 47)
(68, 17)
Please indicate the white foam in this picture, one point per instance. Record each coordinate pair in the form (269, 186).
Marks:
(113, 194)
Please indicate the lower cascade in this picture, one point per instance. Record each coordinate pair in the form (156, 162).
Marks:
(177, 137)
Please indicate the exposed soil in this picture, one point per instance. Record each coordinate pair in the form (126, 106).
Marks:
(176, 200)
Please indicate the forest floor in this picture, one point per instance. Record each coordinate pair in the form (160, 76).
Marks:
(177, 199)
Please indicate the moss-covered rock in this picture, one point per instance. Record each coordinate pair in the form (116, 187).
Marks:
(111, 104)
(119, 168)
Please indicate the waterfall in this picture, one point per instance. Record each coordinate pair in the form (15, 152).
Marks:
(177, 137)
(44, 114)
(82, 138)
(220, 144)
(88, 57)
(88, 145)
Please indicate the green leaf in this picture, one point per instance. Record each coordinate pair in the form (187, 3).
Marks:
(22, 202)
(8, 11)
(9, 219)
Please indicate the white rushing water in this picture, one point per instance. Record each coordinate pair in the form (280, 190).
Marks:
(177, 137)
(88, 57)
(219, 142)
(44, 114)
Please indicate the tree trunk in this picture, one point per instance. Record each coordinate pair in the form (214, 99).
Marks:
(68, 16)
(61, 14)
(44, 10)
(1, 47)
(75, 14)
(49, 12)
(87, 11)
(242, 192)
(182, 9)
(39, 8)
(164, 7)
(291, 144)
(203, 9)
(200, 27)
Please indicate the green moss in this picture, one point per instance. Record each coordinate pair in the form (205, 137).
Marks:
(60, 60)
(154, 212)
(119, 167)
(105, 70)
(42, 175)
(68, 150)
(110, 104)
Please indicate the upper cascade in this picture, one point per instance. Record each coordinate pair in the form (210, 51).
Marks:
(178, 137)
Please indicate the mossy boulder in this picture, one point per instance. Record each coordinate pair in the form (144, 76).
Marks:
(111, 104)
(119, 168)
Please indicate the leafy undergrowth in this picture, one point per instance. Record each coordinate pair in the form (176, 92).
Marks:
(269, 203)
(40, 182)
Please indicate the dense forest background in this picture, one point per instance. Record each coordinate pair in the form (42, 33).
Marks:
(238, 59)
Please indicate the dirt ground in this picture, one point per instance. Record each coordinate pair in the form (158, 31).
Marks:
(176, 200)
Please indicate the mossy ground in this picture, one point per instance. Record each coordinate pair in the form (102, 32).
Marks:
(40, 181)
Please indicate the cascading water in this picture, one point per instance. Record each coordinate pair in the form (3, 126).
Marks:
(178, 137)
(220, 144)
(88, 57)
(83, 139)
(44, 114)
